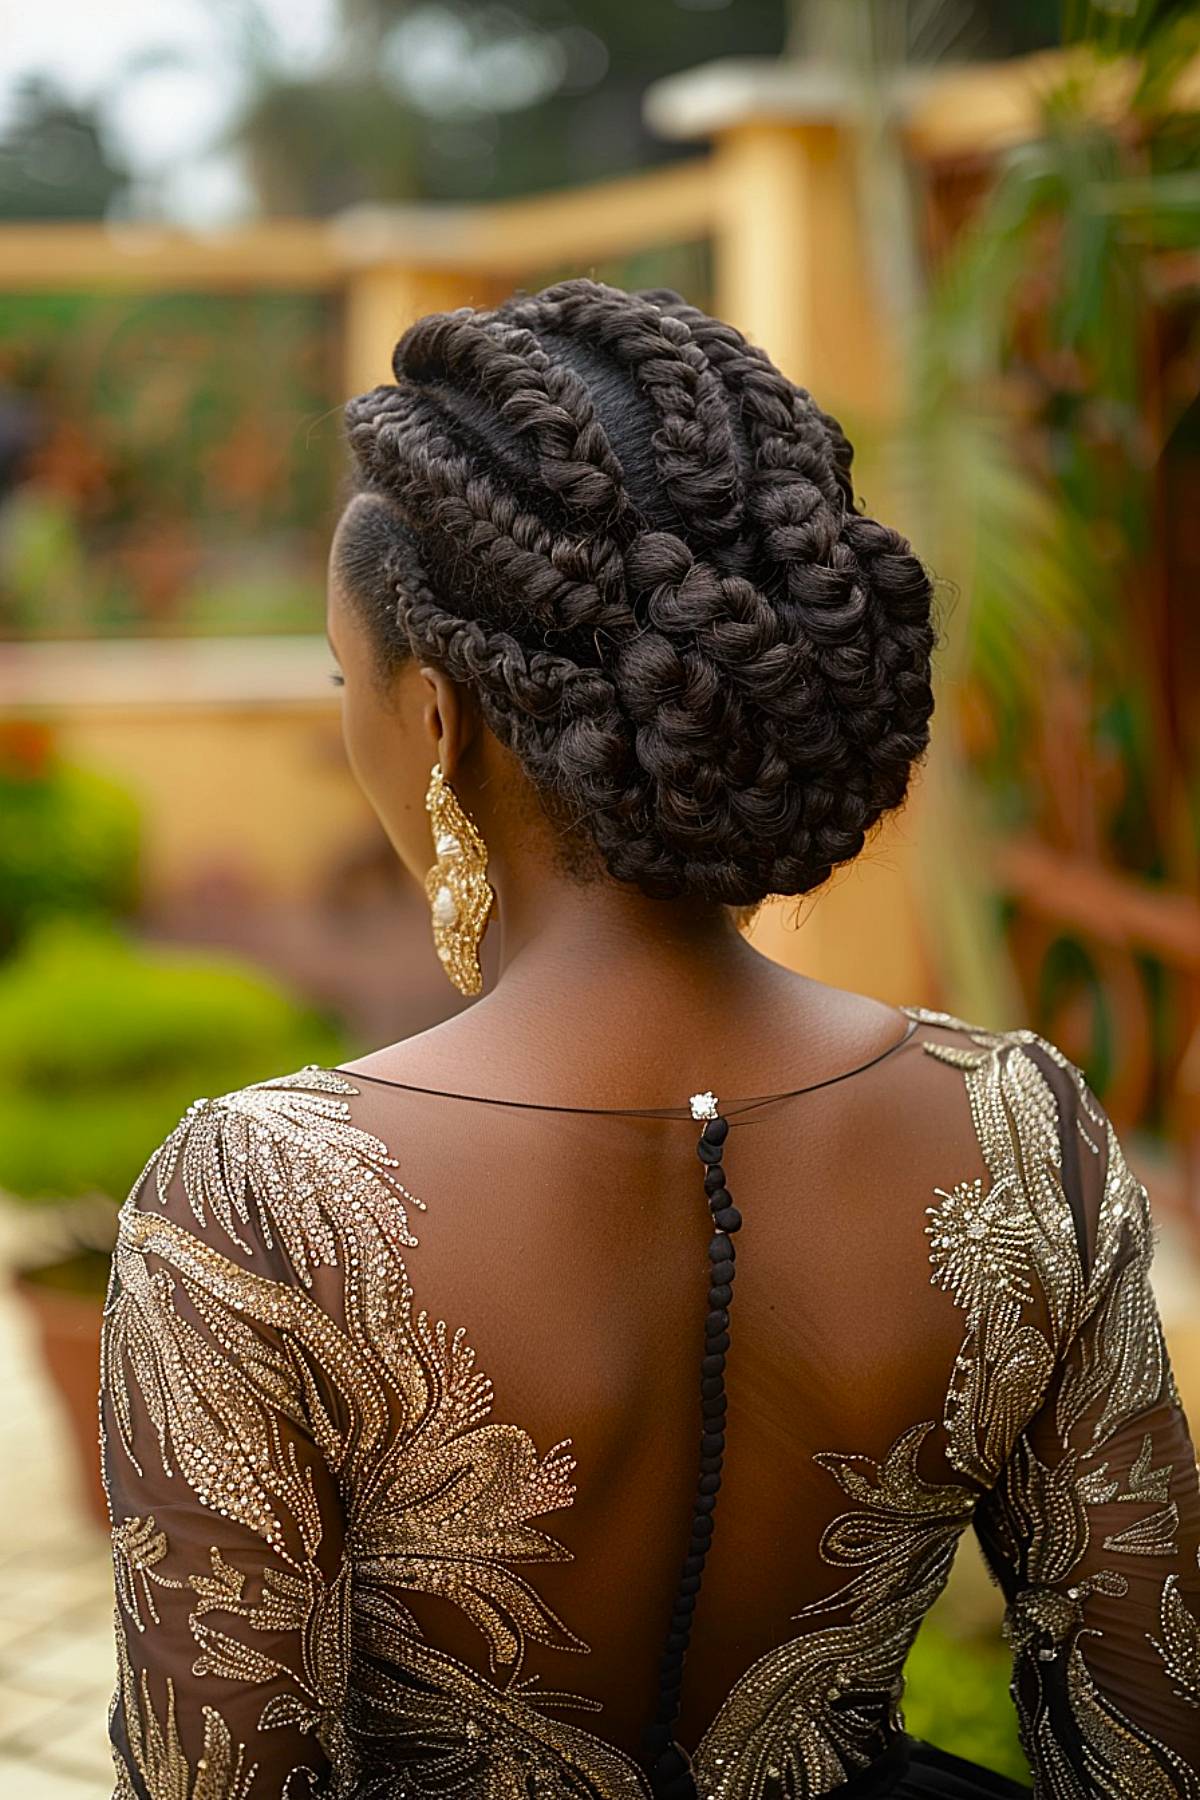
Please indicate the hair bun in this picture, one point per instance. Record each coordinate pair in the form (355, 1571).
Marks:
(636, 540)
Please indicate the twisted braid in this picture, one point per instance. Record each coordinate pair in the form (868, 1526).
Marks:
(693, 443)
(634, 539)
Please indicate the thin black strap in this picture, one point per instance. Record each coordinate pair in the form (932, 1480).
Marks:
(737, 1108)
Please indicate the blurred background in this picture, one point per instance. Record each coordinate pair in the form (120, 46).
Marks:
(973, 229)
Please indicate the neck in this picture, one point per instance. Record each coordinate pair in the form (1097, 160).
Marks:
(577, 934)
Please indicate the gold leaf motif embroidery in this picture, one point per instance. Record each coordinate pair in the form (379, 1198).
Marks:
(981, 1248)
(780, 1721)
(138, 1547)
(1119, 1761)
(438, 1496)
(1150, 1536)
(222, 1772)
(902, 1533)
(220, 1361)
(1112, 1367)
(1145, 1482)
(1179, 1646)
(283, 1156)
(993, 1250)
(779, 1724)
(429, 1726)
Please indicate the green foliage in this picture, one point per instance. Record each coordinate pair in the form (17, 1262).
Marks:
(69, 841)
(472, 100)
(187, 444)
(104, 1043)
(1044, 402)
(55, 160)
(956, 1696)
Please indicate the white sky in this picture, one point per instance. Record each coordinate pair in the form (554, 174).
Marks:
(166, 115)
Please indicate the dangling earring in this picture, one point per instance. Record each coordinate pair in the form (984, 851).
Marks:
(460, 895)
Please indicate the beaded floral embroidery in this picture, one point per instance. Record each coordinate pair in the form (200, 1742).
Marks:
(354, 1446)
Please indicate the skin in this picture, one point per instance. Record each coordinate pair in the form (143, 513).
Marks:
(631, 978)
(604, 998)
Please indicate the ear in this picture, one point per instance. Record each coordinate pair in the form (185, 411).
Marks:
(447, 719)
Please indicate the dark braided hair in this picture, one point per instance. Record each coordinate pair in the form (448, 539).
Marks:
(619, 524)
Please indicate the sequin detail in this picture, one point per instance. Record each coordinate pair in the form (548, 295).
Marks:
(334, 1460)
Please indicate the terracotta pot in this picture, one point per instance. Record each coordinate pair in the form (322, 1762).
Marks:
(68, 1330)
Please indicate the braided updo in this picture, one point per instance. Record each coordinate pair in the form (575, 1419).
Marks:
(636, 542)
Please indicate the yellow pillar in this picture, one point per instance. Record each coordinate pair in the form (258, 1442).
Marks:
(382, 299)
(792, 269)
(792, 272)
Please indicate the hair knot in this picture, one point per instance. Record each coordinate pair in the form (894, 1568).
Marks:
(635, 540)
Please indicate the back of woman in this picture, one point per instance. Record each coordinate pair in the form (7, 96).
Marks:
(589, 1396)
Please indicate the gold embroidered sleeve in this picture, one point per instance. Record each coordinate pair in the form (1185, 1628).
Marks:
(1093, 1527)
(228, 1538)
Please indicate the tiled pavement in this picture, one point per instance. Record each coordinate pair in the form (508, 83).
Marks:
(56, 1660)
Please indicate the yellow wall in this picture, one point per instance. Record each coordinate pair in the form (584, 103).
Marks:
(261, 792)
(241, 779)
(865, 930)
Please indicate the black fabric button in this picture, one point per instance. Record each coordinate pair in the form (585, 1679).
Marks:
(719, 1248)
(708, 1153)
(712, 1365)
(720, 1294)
(711, 1388)
(729, 1218)
(692, 1566)
(719, 1342)
(711, 1463)
(690, 1584)
(712, 1443)
(716, 1321)
(714, 1178)
(716, 1130)
(705, 1503)
(713, 1407)
(722, 1197)
(722, 1266)
(709, 1484)
(669, 1765)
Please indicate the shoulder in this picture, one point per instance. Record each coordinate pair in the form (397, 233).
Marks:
(1039, 1118)
(1045, 1086)
(279, 1169)
(968, 1044)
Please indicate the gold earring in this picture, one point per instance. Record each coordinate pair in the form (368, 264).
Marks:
(460, 895)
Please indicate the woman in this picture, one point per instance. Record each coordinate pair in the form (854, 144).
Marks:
(605, 574)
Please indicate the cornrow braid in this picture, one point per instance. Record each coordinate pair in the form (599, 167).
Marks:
(636, 541)
(693, 441)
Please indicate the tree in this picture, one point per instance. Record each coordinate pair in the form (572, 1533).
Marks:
(55, 161)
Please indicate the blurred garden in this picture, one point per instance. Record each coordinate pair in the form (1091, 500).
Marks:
(972, 229)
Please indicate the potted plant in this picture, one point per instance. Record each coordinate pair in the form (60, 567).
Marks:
(104, 1042)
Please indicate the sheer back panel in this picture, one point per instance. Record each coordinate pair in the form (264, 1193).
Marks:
(401, 1420)
(573, 1249)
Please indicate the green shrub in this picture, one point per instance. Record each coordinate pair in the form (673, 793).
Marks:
(956, 1696)
(105, 1042)
(69, 839)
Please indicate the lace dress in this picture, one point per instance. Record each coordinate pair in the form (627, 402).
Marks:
(351, 1559)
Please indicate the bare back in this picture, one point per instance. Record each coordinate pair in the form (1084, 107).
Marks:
(485, 1422)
